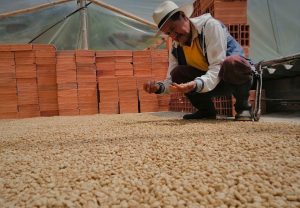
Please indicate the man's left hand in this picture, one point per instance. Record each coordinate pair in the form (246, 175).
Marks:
(184, 88)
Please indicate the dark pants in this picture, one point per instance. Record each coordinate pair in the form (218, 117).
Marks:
(203, 101)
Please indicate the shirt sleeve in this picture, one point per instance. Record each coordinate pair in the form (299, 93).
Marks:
(216, 44)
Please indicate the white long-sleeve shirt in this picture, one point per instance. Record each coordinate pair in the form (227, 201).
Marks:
(216, 45)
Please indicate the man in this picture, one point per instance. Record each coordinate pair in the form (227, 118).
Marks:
(205, 61)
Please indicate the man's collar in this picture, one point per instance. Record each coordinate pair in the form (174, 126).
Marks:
(194, 34)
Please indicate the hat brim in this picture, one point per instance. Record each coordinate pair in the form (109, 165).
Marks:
(187, 9)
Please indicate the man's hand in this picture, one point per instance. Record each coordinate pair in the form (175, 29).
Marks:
(184, 88)
(151, 86)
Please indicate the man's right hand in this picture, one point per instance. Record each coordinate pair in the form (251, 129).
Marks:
(151, 86)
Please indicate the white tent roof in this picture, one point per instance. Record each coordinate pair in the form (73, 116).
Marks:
(274, 28)
(274, 25)
(106, 29)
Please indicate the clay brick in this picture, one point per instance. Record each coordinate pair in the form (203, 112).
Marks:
(21, 47)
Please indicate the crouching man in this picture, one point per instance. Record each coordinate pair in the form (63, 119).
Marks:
(205, 61)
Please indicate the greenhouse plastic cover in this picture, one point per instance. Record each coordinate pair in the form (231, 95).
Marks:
(274, 25)
(274, 28)
(107, 30)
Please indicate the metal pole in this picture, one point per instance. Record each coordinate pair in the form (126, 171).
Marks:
(83, 44)
(32, 9)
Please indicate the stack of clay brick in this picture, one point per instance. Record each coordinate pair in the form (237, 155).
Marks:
(180, 103)
(232, 13)
(121, 75)
(76, 82)
(27, 81)
(8, 85)
(160, 62)
(37, 80)
(116, 77)
(45, 61)
(87, 82)
(142, 66)
(225, 104)
(67, 83)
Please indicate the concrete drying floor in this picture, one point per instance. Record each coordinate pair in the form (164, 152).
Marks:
(149, 160)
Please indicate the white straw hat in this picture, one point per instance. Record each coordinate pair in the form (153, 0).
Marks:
(166, 9)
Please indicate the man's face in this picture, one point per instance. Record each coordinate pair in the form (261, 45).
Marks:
(179, 30)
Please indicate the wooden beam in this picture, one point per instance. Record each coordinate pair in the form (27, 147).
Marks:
(127, 14)
(32, 9)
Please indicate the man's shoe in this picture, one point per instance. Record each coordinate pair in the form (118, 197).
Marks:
(245, 115)
(200, 115)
